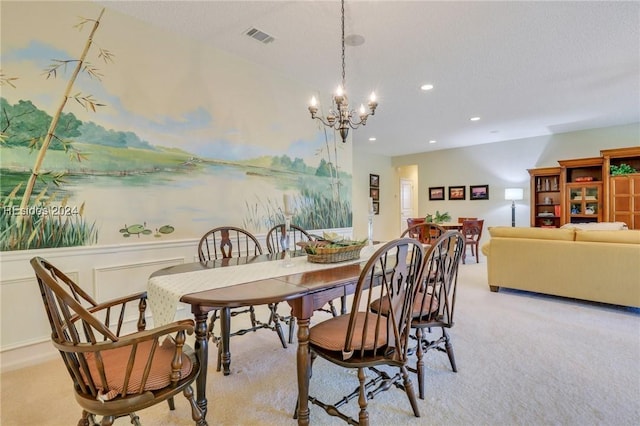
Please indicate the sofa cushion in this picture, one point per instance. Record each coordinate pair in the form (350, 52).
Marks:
(536, 233)
(599, 226)
(624, 237)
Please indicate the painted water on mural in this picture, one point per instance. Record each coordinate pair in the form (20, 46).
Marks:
(196, 201)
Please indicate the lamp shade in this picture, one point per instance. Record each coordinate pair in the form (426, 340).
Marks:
(513, 194)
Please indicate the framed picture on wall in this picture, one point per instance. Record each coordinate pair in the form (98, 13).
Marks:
(436, 193)
(374, 193)
(374, 181)
(478, 192)
(457, 192)
(376, 207)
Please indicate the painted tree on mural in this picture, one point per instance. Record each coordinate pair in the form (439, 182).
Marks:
(86, 101)
(32, 224)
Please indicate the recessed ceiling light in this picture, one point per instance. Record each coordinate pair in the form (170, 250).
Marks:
(372, 139)
(426, 87)
(474, 118)
(432, 141)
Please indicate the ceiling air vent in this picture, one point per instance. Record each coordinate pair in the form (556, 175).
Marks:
(261, 36)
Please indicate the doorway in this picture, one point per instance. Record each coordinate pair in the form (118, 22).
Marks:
(406, 202)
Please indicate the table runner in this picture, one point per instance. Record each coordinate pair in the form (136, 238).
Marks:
(164, 292)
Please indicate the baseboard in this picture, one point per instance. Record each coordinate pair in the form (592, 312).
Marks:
(27, 356)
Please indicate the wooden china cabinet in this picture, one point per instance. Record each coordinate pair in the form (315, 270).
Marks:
(623, 202)
(583, 190)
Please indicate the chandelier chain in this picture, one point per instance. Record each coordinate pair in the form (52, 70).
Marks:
(343, 66)
(340, 116)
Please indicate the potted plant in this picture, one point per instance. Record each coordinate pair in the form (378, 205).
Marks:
(438, 217)
(622, 169)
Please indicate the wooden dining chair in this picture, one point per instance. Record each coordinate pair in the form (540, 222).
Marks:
(472, 231)
(414, 221)
(435, 301)
(364, 340)
(226, 242)
(462, 219)
(425, 232)
(116, 373)
(276, 234)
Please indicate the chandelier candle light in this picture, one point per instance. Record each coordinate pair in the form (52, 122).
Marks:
(340, 117)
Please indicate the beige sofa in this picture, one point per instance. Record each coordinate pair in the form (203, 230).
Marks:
(596, 265)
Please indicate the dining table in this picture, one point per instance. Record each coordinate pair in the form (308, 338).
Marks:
(254, 280)
(451, 226)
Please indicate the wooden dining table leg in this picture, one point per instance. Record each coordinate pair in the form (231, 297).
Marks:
(225, 327)
(202, 350)
(303, 365)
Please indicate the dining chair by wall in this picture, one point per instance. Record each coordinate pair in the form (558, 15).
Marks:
(435, 301)
(363, 339)
(425, 232)
(114, 373)
(414, 221)
(226, 242)
(472, 231)
(462, 219)
(296, 235)
(274, 245)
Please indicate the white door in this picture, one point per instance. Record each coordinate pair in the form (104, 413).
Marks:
(406, 202)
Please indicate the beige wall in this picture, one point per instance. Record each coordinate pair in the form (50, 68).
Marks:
(365, 163)
(499, 165)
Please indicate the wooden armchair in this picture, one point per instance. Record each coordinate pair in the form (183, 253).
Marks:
(116, 374)
(226, 242)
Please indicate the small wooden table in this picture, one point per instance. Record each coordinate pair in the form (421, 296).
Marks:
(305, 292)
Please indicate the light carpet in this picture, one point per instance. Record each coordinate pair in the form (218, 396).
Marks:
(523, 359)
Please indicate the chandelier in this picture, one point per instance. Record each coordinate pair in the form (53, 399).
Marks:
(340, 117)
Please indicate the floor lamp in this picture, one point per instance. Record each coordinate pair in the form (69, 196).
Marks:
(513, 195)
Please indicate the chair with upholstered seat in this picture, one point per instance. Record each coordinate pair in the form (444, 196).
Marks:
(425, 232)
(364, 340)
(472, 231)
(435, 300)
(116, 373)
(225, 242)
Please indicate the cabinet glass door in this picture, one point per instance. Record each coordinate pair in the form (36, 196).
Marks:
(584, 203)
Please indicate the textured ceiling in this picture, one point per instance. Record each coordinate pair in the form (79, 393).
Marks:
(526, 68)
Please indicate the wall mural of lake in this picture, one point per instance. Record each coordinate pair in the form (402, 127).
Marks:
(157, 137)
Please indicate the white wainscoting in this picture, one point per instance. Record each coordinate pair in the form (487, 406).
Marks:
(105, 272)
